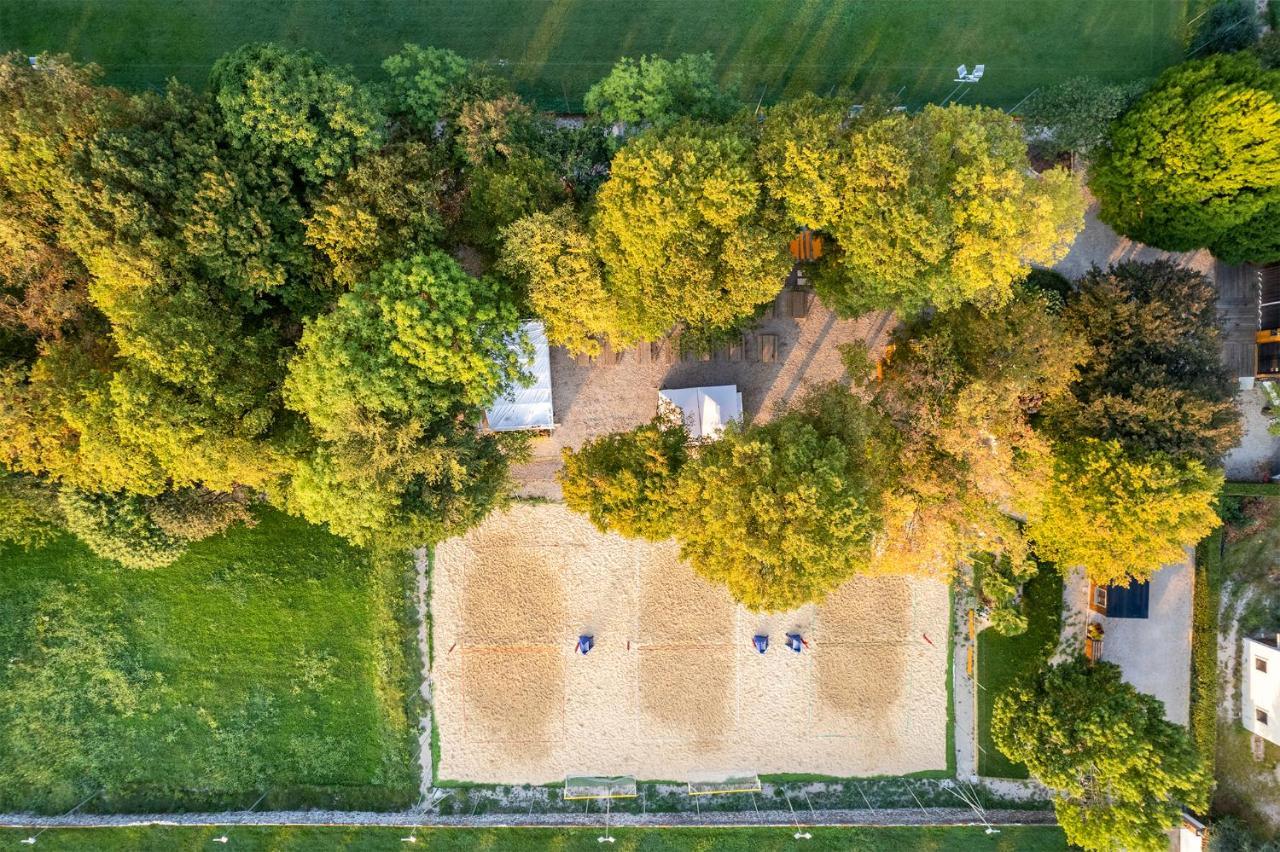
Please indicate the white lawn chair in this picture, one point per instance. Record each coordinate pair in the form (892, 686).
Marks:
(978, 71)
(962, 74)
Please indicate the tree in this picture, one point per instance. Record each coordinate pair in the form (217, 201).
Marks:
(1154, 379)
(47, 115)
(419, 338)
(29, 513)
(625, 482)
(404, 485)
(1195, 161)
(1075, 115)
(785, 512)
(1120, 773)
(938, 208)
(962, 388)
(295, 109)
(551, 255)
(653, 90)
(119, 527)
(1120, 514)
(685, 234)
(395, 202)
(421, 83)
(1227, 26)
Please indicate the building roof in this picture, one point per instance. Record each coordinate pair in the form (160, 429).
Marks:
(527, 407)
(705, 411)
(1131, 601)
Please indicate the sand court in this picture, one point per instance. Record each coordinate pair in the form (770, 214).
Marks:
(673, 687)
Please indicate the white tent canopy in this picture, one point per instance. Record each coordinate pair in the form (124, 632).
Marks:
(527, 407)
(705, 410)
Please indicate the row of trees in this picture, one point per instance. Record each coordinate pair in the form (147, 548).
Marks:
(302, 287)
(1084, 430)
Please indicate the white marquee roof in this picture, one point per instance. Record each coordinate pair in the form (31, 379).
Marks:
(527, 407)
(705, 410)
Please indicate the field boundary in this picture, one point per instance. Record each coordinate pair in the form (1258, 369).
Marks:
(878, 817)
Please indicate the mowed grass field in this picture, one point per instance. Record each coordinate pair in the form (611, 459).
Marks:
(959, 839)
(269, 660)
(555, 49)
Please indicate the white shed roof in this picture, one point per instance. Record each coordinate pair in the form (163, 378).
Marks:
(527, 407)
(705, 410)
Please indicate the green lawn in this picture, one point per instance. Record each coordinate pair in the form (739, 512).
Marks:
(964, 839)
(1001, 659)
(269, 660)
(556, 48)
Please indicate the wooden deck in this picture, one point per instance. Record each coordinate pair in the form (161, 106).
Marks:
(1238, 316)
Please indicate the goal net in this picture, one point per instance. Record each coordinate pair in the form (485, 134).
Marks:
(712, 784)
(599, 787)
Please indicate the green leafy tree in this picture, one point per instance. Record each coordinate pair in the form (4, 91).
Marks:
(1120, 773)
(962, 389)
(1227, 26)
(1154, 379)
(194, 514)
(1075, 115)
(119, 527)
(296, 109)
(938, 208)
(392, 203)
(421, 83)
(625, 482)
(653, 90)
(551, 255)
(29, 512)
(1122, 515)
(47, 115)
(404, 485)
(785, 512)
(685, 233)
(419, 338)
(1194, 163)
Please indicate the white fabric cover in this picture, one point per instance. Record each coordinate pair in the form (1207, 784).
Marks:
(527, 408)
(706, 410)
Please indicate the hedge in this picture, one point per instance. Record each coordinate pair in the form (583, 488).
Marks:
(1204, 646)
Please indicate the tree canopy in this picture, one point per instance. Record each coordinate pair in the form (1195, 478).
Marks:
(682, 235)
(653, 90)
(1122, 514)
(1195, 163)
(1154, 378)
(419, 338)
(1120, 773)
(1074, 116)
(936, 208)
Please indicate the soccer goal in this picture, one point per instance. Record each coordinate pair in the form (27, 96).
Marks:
(720, 783)
(599, 787)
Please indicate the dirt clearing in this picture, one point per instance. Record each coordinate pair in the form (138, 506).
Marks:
(673, 687)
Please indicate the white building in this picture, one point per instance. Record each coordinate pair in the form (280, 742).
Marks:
(1260, 688)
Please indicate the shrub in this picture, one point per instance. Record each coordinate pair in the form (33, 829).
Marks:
(119, 527)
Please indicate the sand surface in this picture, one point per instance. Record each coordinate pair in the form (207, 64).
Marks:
(673, 688)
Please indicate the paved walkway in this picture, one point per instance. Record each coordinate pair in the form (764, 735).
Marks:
(964, 694)
(591, 816)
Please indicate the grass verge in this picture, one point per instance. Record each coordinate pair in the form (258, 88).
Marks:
(1204, 646)
(950, 839)
(1003, 659)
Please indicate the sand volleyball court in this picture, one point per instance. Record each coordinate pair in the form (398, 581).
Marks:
(673, 688)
